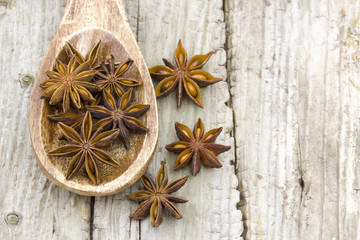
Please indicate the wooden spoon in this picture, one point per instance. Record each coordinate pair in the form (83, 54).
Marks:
(84, 23)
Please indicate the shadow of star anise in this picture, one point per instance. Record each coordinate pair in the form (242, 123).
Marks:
(196, 146)
(120, 115)
(111, 76)
(69, 84)
(84, 148)
(158, 196)
(183, 75)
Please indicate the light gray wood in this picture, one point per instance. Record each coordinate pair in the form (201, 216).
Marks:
(293, 69)
(296, 116)
(31, 206)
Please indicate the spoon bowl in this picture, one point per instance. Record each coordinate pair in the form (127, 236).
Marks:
(117, 39)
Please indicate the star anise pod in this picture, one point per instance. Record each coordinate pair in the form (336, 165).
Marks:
(92, 56)
(112, 78)
(120, 115)
(84, 148)
(73, 118)
(69, 83)
(158, 196)
(183, 75)
(196, 146)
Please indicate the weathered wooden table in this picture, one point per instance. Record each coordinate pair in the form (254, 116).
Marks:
(290, 109)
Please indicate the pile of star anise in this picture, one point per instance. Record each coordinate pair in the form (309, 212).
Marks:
(95, 103)
(96, 109)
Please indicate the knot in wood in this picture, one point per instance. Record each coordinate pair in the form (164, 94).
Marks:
(12, 219)
(26, 80)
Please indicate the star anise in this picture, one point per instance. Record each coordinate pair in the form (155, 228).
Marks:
(69, 83)
(183, 75)
(92, 56)
(120, 115)
(73, 118)
(112, 79)
(158, 196)
(84, 148)
(196, 146)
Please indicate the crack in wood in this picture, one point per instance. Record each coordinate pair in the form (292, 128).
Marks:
(230, 105)
(137, 39)
(301, 179)
(137, 21)
(301, 182)
(91, 222)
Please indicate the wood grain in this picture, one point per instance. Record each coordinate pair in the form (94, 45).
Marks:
(296, 116)
(293, 72)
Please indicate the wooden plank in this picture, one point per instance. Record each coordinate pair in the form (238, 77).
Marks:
(348, 139)
(296, 116)
(264, 103)
(33, 208)
(211, 212)
(293, 68)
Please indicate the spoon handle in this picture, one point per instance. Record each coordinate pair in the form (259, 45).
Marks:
(108, 14)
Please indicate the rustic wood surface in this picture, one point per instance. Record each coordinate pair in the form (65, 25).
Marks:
(290, 109)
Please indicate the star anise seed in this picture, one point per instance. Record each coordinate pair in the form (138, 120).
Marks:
(69, 84)
(84, 148)
(196, 146)
(157, 196)
(183, 75)
(120, 115)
